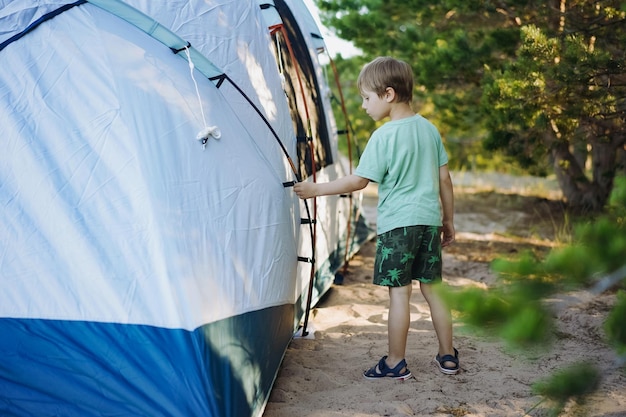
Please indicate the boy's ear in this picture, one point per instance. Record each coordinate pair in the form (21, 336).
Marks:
(390, 94)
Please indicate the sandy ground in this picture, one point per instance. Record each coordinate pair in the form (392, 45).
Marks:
(321, 375)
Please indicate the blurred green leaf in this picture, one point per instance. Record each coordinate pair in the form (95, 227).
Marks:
(614, 325)
(574, 382)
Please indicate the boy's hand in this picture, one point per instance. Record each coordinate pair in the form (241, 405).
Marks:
(447, 234)
(305, 189)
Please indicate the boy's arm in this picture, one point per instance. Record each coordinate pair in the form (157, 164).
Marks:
(343, 185)
(446, 194)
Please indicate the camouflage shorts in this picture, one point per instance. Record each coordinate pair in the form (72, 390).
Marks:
(406, 254)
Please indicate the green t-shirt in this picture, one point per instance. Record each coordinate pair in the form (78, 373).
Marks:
(403, 157)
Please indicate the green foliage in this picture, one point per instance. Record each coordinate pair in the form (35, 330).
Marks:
(600, 244)
(515, 309)
(529, 325)
(487, 308)
(411, 31)
(600, 250)
(574, 382)
(614, 325)
(539, 85)
(554, 101)
(617, 201)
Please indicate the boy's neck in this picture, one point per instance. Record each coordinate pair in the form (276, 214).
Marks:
(401, 111)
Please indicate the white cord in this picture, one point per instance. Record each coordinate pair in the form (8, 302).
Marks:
(191, 68)
(207, 131)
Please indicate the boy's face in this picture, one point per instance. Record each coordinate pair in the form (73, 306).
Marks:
(376, 107)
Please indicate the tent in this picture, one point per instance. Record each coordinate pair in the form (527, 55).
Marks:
(154, 260)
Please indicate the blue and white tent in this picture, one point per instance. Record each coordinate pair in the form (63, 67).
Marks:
(154, 260)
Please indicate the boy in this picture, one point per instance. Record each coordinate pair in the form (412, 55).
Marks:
(407, 159)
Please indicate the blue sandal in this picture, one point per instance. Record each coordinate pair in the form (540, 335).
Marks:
(381, 370)
(448, 370)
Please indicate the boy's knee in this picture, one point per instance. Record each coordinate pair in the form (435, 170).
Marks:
(427, 288)
(403, 290)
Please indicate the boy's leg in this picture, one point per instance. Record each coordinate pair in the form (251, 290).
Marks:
(442, 320)
(398, 323)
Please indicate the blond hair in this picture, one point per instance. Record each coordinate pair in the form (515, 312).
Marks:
(384, 72)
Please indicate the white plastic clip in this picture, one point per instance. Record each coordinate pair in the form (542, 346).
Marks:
(208, 132)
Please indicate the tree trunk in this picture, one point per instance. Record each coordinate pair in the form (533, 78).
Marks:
(620, 167)
(569, 174)
(584, 195)
(604, 164)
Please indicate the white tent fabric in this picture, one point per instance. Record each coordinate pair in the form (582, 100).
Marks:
(157, 204)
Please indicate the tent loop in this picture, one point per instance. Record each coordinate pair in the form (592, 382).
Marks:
(208, 131)
(184, 48)
(220, 79)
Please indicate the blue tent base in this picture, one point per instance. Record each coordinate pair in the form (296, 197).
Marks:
(221, 369)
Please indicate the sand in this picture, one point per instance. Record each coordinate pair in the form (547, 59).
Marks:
(321, 375)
